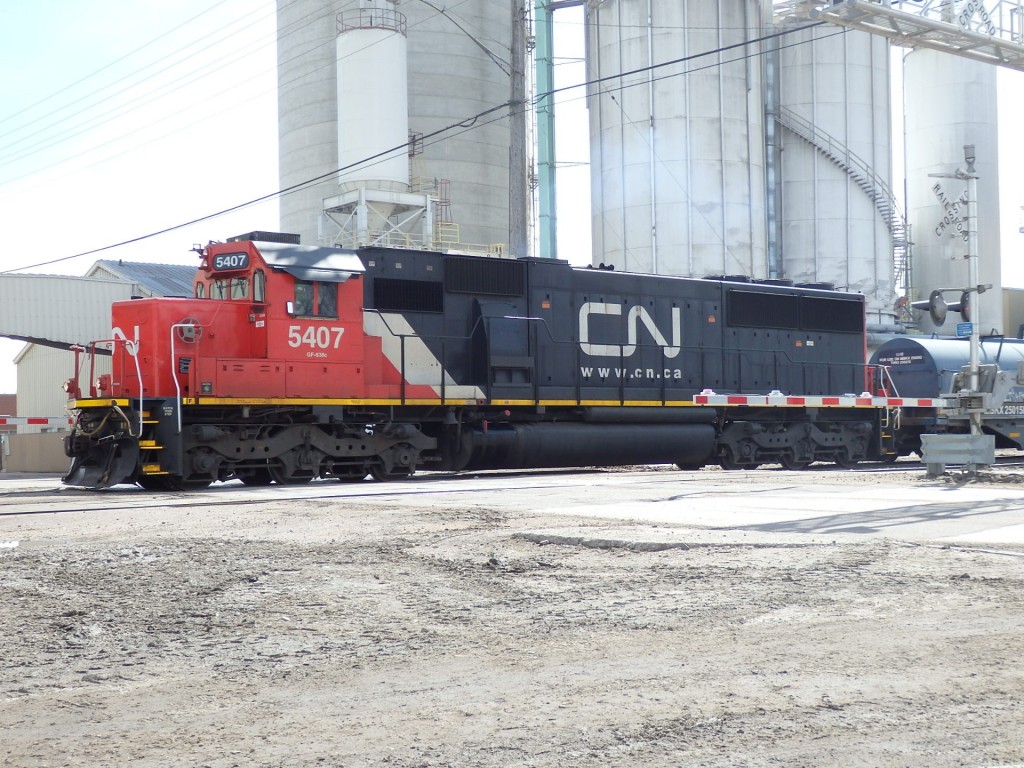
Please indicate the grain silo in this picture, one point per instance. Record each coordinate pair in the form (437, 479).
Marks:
(677, 150)
(457, 68)
(950, 102)
(839, 218)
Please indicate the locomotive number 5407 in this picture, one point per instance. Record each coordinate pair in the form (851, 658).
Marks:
(314, 337)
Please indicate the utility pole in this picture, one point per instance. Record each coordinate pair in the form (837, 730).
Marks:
(973, 289)
(518, 186)
(975, 449)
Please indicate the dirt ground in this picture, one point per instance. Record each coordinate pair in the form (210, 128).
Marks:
(305, 632)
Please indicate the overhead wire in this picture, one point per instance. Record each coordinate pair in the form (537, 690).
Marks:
(175, 127)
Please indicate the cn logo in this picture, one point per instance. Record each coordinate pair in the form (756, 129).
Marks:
(636, 317)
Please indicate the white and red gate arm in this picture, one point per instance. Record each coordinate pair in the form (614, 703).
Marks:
(778, 400)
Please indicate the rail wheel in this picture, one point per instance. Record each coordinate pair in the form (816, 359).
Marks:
(380, 474)
(792, 463)
(255, 477)
(349, 474)
(729, 462)
(846, 462)
(282, 476)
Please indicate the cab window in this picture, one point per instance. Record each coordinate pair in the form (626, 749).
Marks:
(327, 299)
(316, 299)
(303, 298)
(219, 289)
(259, 287)
(239, 288)
(200, 290)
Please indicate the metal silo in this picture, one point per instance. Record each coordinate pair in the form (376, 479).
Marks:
(457, 68)
(950, 102)
(371, 73)
(839, 218)
(677, 151)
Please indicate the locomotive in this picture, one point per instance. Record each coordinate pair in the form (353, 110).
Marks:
(292, 362)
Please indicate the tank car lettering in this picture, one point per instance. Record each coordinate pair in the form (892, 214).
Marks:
(315, 337)
(637, 315)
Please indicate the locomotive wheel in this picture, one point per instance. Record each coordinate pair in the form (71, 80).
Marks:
(846, 462)
(280, 476)
(379, 474)
(256, 477)
(793, 464)
(350, 475)
(728, 462)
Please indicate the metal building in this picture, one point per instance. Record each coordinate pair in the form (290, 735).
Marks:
(457, 68)
(27, 313)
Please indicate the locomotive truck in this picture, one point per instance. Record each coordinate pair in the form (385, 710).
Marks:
(292, 362)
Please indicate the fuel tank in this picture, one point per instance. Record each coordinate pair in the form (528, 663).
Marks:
(530, 446)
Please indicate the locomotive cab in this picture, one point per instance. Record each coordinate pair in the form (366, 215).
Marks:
(302, 320)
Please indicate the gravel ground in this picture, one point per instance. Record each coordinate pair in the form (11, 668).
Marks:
(310, 632)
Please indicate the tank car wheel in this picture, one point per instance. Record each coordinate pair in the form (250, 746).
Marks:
(255, 477)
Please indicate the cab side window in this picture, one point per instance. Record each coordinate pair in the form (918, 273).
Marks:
(327, 299)
(316, 299)
(259, 287)
(303, 298)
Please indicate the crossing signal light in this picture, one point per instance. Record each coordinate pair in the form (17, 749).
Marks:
(937, 307)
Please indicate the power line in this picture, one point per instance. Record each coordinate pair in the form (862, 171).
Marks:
(465, 124)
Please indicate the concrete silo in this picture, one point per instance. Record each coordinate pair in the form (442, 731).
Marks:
(950, 102)
(456, 68)
(839, 220)
(677, 151)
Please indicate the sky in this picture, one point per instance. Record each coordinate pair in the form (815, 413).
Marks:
(121, 118)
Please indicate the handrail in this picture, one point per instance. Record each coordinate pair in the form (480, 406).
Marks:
(174, 371)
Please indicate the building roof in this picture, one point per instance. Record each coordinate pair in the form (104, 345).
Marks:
(154, 279)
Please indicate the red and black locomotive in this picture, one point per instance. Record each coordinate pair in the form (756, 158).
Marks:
(295, 362)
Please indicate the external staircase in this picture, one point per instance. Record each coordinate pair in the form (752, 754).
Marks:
(864, 176)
